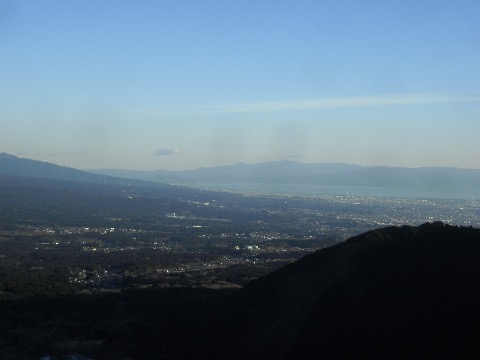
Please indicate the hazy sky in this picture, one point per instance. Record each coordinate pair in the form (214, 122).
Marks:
(183, 84)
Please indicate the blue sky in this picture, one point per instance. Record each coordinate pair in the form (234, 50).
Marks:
(183, 84)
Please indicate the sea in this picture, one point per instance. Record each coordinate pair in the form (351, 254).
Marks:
(460, 193)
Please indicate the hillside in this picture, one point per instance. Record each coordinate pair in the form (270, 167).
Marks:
(22, 167)
(27, 173)
(409, 292)
(391, 293)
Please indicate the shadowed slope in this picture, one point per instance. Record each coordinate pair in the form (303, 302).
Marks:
(410, 292)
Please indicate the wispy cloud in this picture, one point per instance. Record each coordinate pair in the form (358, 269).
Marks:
(341, 102)
(166, 151)
(324, 103)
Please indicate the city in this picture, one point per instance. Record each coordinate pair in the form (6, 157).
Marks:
(215, 244)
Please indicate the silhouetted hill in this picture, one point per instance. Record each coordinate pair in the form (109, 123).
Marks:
(402, 293)
(392, 293)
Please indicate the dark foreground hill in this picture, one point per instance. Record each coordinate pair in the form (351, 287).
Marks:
(392, 293)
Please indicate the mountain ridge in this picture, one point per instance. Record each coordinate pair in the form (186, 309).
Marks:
(300, 177)
(277, 177)
(282, 165)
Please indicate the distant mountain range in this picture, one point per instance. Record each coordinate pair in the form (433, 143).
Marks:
(334, 178)
(279, 176)
(268, 172)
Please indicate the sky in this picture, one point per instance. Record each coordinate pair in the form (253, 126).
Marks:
(148, 85)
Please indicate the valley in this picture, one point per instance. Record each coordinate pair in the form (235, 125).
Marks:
(216, 244)
(97, 267)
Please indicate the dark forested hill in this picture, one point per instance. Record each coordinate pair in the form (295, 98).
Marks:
(409, 292)
(392, 293)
